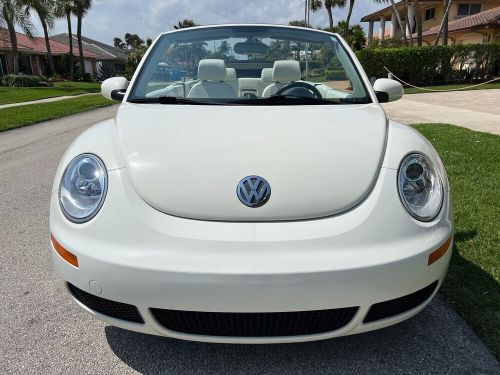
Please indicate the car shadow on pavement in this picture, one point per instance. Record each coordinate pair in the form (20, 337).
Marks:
(435, 341)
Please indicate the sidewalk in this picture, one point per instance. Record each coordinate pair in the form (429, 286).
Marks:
(477, 110)
(48, 100)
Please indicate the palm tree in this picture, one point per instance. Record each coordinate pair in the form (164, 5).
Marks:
(314, 6)
(81, 9)
(132, 41)
(45, 11)
(185, 24)
(418, 20)
(12, 13)
(398, 16)
(117, 42)
(349, 13)
(330, 4)
(443, 29)
(306, 9)
(64, 9)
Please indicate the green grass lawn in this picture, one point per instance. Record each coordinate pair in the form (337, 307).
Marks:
(10, 95)
(16, 117)
(494, 85)
(472, 286)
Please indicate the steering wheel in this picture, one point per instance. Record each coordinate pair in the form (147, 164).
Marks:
(304, 85)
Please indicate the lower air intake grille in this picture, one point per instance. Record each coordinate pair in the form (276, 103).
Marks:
(114, 309)
(400, 305)
(254, 324)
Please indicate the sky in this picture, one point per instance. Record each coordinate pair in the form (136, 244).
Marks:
(148, 18)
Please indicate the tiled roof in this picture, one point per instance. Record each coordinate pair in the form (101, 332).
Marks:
(489, 17)
(103, 51)
(37, 45)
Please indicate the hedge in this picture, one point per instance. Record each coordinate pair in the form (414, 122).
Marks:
(434, 64)
(23, 80)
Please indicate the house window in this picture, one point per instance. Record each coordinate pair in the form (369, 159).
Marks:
(468, 9)
(430, 13)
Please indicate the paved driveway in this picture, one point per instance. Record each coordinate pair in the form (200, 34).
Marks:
(43, 332)
(476, 110)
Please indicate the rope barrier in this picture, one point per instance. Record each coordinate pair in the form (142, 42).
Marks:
(426, 89)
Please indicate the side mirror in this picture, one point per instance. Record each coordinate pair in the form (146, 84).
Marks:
(388, 90)
(114, 88)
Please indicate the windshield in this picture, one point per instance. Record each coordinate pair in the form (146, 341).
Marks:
(249, 65)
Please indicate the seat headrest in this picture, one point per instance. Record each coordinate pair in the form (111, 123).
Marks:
(230, 74)
(267, 75)
(212, 70)
(286, 71)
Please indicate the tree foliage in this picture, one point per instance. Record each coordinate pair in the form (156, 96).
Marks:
(185, 24)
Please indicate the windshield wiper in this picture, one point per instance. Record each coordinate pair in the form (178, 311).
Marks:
(284, 100)
(172, 100)
(272, 100)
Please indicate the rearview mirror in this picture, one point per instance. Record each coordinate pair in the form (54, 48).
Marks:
(114, 88)
(249, 48)
(388, 90)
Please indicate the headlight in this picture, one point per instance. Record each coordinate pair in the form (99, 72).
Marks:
(83, 188)
(420, 187)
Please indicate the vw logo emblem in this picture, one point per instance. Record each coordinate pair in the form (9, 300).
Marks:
(253, 191)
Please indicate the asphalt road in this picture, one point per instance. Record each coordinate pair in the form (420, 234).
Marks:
(43, 332)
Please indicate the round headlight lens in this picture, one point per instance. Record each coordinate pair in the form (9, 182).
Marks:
(83, 188)
(420, 187)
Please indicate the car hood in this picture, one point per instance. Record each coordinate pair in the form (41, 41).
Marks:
(187, 160)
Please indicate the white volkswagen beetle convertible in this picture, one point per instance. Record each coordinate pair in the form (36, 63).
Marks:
(253, 192)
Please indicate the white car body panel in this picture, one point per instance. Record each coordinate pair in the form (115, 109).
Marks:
(152, 246)
(178, 153)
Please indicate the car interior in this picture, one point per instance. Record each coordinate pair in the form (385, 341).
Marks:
(215, 80)
(245, 64)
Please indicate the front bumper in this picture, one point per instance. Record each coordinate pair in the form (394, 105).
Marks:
(139, 256)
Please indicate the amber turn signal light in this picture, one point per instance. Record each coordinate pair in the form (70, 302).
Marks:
(436, 254)
(65, 254)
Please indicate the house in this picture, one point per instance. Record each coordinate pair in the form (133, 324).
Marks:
(106, 54)
(469, 21)
(33, 54)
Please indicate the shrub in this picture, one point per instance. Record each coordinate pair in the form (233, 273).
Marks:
(105, 70)
(23, 80)
(334, 75)
(434, 64)
(127, 75)
(58, 78)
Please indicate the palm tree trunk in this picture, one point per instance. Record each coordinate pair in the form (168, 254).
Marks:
(70, 33)
(308, 14)
(443, 29)
(330, 15)
(418, 20)
(13, 42)
(49, 51)
(306, 6)
(445, 26)
(408, 23)
(80, 46)
(349, 14)
(400, 21)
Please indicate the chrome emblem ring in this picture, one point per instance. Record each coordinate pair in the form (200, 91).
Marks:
(253, 191)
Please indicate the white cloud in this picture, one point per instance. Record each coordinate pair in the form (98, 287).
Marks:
(148, 18)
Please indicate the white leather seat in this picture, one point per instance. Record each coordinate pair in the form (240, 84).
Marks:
(256, 85)
(212, 74)
(231, 78)
(266, 78)
(284, 73)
